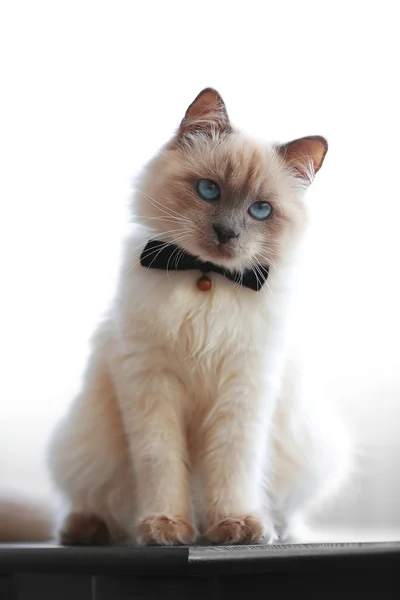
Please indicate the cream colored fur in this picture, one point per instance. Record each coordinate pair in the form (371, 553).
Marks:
(191, 413)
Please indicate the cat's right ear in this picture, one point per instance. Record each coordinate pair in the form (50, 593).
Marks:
(305, 156)
(206, 114)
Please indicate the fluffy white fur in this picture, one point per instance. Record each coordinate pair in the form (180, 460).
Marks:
(191, 414)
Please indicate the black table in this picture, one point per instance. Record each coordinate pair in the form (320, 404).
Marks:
(320, 571)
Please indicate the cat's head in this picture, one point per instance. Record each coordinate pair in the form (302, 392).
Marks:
(224, 197)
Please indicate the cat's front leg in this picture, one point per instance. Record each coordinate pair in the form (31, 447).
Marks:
(154, 423)
(235, 446)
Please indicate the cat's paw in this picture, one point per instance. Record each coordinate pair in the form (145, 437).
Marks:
(163, 530)
(246, 529)
(84, 529)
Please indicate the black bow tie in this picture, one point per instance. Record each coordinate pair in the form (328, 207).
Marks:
(161, 255)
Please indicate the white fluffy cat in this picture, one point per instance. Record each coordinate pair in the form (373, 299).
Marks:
(191, 416)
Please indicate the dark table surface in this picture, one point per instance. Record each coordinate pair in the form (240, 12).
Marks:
(197, 560)
(323, 571)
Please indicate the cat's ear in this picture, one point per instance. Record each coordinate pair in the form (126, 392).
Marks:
(305, 156)
(207, 113)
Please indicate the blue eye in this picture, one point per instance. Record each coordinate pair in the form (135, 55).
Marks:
(208, 190)
(260, 210)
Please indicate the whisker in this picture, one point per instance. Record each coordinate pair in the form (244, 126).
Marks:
(271, 251)
(258, 267)
(270, 263)
(155, 251)
(168, 219)
(163, 234)
(254, 269)
(268, 259)
(239, 285)
(167, 210)
(180, 255)
(174, 240)
(179, 252)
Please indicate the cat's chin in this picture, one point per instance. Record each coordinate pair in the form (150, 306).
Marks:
(219, 255)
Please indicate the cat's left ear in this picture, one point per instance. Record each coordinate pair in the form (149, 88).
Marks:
(305, 156)
(206, 114)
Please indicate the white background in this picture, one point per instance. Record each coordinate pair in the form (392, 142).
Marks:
(90, 90)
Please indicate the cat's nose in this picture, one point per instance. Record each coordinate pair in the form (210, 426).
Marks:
(224, 234)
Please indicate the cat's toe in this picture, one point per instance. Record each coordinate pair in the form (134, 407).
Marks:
(164, 530)
(246, 529)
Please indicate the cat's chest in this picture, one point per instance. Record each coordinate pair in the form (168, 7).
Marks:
(177, 309)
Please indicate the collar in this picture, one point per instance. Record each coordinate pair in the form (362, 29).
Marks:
(161, 255)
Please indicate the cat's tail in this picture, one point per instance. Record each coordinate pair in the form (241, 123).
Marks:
(25, 519)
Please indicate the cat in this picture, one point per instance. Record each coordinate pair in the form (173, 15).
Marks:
(191, 419)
